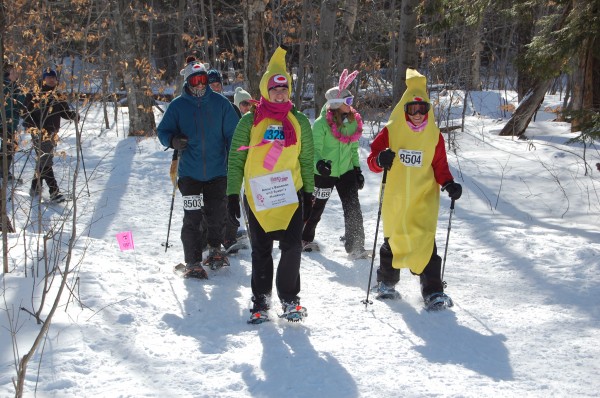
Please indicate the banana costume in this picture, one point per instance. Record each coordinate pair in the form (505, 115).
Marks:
(412, 195)
(283, 159)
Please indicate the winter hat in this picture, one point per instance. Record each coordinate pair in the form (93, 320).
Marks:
(193, 67)
(276, 75)
(240, 95)
(49, 73)
(335, 96)
(214, 76)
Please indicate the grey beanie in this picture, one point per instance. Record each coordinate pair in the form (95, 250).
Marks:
(240, 95)
(332, 94)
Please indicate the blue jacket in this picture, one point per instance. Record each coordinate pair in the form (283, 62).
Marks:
(208, 122)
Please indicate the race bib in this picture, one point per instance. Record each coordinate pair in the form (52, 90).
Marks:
(274, 132)
(193, 202)
(273, 190)
(411, 158)
(322, 193)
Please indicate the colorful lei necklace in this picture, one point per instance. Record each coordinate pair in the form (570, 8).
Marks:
(346, 138)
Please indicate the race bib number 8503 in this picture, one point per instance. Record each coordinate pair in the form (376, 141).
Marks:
(193, 202)
(411, 158)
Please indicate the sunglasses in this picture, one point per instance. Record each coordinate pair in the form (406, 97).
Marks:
(348, 100)
(244, 103)
(198, 79)
(412, 108)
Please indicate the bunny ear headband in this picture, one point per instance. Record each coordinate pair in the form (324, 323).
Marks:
(345, 80)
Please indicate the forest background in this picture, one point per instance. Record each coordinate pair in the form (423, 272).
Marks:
(129, 53)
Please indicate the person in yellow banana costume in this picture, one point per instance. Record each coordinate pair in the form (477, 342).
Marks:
(411, 148)
(272, 154)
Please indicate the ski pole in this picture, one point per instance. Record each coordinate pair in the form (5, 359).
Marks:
(366, 301)
(447, 239)
(174, 180)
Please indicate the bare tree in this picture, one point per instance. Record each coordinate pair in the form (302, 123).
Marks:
(322, 64)
(132, 45)
(254, 46)
(407, 46)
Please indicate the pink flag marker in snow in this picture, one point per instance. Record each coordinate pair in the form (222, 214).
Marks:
(125, 240)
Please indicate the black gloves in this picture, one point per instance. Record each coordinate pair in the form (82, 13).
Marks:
(454, 189)
(324, 167)
(386, 158)
(233, 209)
(306, 206)
(360, 179)
(179, 142)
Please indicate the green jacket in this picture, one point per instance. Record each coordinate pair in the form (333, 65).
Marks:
(13, 105)
(343, 156)
(237, 159)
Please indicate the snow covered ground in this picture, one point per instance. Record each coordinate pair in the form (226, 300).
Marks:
(523, 269)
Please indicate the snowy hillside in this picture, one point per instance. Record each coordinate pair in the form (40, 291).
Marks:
(523, 268)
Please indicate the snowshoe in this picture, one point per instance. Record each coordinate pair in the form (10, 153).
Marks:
(57, 197)
(438, 302)
(194, 270)
(358, 254)
(310, 246)
(234, 247)
(216, 259)
(293, 311)
(385, 291)
(259, 311)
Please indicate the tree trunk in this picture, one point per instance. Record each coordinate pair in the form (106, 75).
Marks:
(519, 121)
(306, 20)
(132, 39)
(583, 79)
(407, 45)
(254, 46)
(349, 10)
(322, 65)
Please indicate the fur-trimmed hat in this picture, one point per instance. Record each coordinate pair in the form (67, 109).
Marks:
(193, 67)
(214, 76)
(240, 95)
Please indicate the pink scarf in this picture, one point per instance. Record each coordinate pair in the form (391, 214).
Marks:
(345, 139)
(277, 111)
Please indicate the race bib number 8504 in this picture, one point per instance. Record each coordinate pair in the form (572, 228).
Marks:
(411, 158)
(193, 202)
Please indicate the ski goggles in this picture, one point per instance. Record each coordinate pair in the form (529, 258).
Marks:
(198, 79)
(348, 100)
(412, 108)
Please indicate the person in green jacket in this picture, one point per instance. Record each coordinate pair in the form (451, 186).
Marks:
(335, 135)
(13, 106)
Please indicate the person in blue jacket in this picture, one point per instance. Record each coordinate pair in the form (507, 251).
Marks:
(199, 124)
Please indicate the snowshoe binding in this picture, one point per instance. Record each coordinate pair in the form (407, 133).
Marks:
(191, 271)
(438, 301)
(259, 311)
(385, 291)
(293, 311)
(216, 259)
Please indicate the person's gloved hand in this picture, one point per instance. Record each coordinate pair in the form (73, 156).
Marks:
(179, 142)
(324, 167)
(386, 158)
(233, 209)
(454, 189)
(306, 206)
(360, 179)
